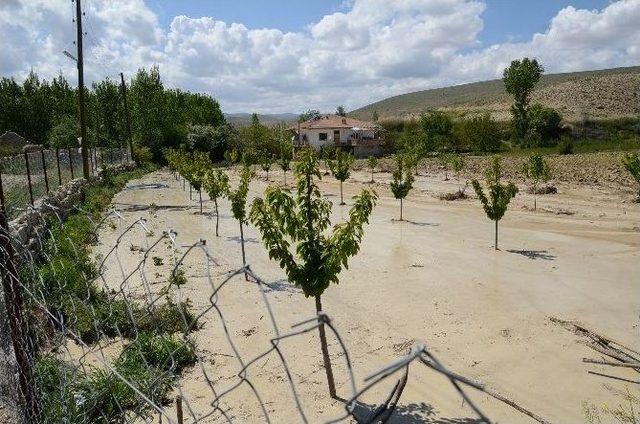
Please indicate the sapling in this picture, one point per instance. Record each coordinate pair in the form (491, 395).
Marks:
(265, 164)
(500, 195)
(372, 162)
(217, 185)
(632, 164)
(402, 180)
(340, 168)
(303, 219)
(286, 156)
(238, 198)
(198, 166)
(536, 168)
(445, 161)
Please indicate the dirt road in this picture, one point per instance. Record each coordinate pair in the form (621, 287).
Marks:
(433, 279)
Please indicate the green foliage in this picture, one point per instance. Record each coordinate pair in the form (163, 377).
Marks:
(341, 165)
(499, 195)
(309, 114)
(544, 124)
(65, 133)
(207, 138)
(372, 162)
(340, 111)
(520, 78)
(302, 219)
(178, 278)
(565, 147)
(537, 169)
(402, 178)
(479, 133)
(632, 164)
(164, 352)
(238, 197)
(216, 183)
(438, 129)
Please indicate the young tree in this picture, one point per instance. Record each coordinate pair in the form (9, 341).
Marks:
(238, 198)
(198, 165)
(632, 164)
(445, 160)
(265, 163)
(340, 168)
(500, 195)
(286, 156)
(536, 168)
(402, 181)
(372, 162)
(340, 111)
(457, 165)
(303, 219)
(216, 184)
(520, 78)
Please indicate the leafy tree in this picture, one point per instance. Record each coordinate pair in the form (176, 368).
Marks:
(372, 162)
(544, 124)
(303, 219)
(438, 129)
(195, 171)
(209, 139)
(402, 181)
(537, 169)
(286, 156)
(65, 133)
(479, 133)
(216, 183)
(632, 164)
(309, 114)
(340, 167)
(520, 78)
(340, 111)
(457, 165)
(499, 194)
(238, 198)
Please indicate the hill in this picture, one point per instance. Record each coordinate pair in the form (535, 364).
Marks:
(600, 94)
(243, 119)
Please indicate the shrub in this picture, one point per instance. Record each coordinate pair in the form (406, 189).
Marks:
(544, 125)
(632, 164)
(438, 129)
(479, 133)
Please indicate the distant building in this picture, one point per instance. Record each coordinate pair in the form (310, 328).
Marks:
(363, 138)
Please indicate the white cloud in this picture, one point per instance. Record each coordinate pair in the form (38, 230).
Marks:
(369, 50)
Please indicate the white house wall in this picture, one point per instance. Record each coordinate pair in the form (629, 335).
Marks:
(313, 136)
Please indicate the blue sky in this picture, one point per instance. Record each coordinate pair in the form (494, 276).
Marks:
(292, 55)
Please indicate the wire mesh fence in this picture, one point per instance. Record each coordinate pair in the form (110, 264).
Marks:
(28, 177)
(116, 338)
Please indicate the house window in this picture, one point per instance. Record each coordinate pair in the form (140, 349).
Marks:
(322, 136)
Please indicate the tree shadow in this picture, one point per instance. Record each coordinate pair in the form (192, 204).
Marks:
(534, 254)
(132, 207)
(246, 239)
(150, 186)
(412, 413)
(282, 286)
(417, 223)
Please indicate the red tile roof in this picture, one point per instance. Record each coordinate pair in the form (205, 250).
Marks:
(336, 121)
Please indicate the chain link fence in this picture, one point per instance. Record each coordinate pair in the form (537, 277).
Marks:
(107, 338)
(28, 177)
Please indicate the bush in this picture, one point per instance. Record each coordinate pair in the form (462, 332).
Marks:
(438, 129)
(65, 134)
(167, 353)
(544, 125)
(479, 133)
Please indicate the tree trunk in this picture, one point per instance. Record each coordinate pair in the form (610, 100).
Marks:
(341, 198)
(535, 199)
(496, 241)
(244, 260)
(267, 176)
(184, 184)
(400, 209)
(215, 202)
(372, 175)
(190, 195)
(325, 353)
(200, 194)
(285, 178)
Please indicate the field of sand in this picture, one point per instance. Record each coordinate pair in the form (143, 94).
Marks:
(434, 279)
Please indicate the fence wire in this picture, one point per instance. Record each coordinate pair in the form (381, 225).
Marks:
(109, 340)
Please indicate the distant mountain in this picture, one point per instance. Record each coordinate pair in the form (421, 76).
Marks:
(242, 119)
(608, 93)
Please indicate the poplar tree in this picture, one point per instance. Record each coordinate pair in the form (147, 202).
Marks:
(499, 195)
(294, 229)
(340, 167)
(402, 180)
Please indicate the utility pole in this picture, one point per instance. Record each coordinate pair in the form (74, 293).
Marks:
(126, 115)
(83, 124)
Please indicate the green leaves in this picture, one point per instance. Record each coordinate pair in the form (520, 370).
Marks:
(372, 162)
(238, 197)
(536, 168)
(632, 164)
(341, 165)
(216, 183)
(301, 219)
(402, 179)
(499, 195)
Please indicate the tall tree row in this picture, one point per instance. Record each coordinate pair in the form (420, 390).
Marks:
(45, 112)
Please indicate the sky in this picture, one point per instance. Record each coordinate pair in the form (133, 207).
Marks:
(291, 55)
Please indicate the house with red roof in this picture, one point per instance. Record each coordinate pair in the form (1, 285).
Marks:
(363, 138)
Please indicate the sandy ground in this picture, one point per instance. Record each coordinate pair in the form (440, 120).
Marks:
(434, 279)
